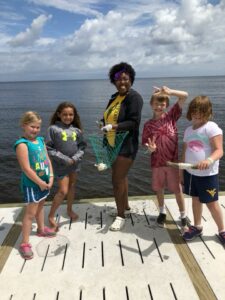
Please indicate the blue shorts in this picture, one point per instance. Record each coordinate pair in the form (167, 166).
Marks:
(34, 194)
(205, 188)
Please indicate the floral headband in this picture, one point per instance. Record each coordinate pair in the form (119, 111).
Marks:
(117, 74)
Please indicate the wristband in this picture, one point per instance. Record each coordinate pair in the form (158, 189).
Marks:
(51, 175)
(210, 160)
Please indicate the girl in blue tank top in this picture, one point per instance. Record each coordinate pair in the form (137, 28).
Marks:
(36, 179)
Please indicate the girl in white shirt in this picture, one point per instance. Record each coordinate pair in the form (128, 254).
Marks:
(203, 147)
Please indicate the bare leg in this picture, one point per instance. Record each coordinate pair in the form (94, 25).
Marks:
(71, 196)
(40, 216)
(217, 214)
(197, 208)
(58, 199)
(180, 200)
(120, 170)
(160, 198)
(127, 206)
(30, 212)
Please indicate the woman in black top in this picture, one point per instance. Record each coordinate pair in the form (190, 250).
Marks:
(123, 113)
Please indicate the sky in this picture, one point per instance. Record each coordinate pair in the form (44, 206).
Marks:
(82, 39)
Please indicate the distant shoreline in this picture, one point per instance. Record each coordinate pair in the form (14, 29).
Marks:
(106, 79)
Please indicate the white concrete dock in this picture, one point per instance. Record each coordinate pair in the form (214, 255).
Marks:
(86, 261)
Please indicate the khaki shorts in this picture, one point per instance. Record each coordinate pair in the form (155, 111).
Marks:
(165, 177)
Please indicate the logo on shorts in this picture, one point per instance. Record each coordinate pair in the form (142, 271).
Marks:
(211, 192)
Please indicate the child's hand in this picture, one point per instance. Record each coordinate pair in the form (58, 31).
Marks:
(43, 186)
(156, 89)
(162, 90)
(166, 90)
(204, 164)
(71, 162)
(151, 144)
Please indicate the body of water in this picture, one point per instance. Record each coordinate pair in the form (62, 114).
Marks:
(90, 98)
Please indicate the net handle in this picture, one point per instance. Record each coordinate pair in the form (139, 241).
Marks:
(181, 166)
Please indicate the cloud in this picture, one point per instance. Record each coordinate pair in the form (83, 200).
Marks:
(31, 34)
(45, 42)
(9, 17)
(84, 7)
(163, 38)
(177, 34)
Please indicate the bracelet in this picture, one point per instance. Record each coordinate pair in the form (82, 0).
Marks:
(210, 160)
(51, 175)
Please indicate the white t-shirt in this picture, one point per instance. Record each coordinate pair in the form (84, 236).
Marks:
(199, 148)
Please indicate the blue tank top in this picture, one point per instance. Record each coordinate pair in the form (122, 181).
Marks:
(37, 159)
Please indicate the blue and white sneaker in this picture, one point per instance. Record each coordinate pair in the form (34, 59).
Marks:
(222, 237)
(192, 233)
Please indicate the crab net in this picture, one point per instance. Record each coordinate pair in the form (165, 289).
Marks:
(106, 147)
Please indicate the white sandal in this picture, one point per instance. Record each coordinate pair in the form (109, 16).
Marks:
(118, 224)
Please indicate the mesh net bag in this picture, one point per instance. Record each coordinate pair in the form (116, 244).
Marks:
(106, 147)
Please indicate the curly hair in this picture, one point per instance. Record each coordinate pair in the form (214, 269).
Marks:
(55, 117)
(201, 105)
(124, 67)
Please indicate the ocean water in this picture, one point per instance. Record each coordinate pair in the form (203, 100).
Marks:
(90, 98)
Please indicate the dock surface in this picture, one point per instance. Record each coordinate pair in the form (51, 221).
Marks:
(87, 261)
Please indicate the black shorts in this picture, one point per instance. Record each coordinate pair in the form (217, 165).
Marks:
(129, 148)
(128, 155)
(205, 188)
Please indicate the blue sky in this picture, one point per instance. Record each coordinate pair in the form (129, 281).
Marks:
(82, 39)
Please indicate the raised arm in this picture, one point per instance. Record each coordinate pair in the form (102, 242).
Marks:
(181, 95)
